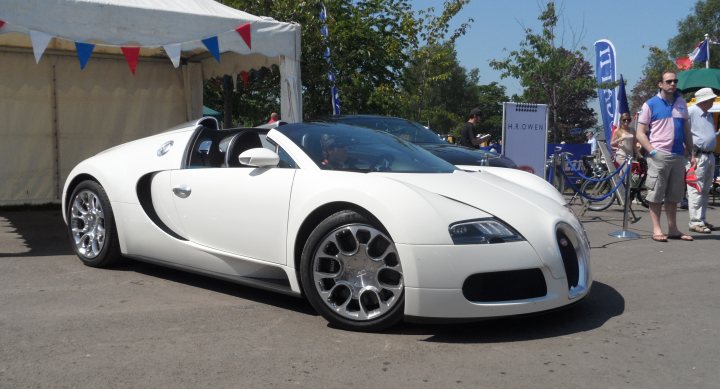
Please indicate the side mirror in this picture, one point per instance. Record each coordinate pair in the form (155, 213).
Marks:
(259, 157)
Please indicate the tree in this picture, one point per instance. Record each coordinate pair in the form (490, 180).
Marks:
(693, 28)
(369, 41)
(438, 91)
(372, 43)
(552, 75)
(658, 61)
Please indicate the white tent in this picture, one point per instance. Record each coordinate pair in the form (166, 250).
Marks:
(55, 114)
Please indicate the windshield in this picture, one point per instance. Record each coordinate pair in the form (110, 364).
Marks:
(350, 148)
(405, 129)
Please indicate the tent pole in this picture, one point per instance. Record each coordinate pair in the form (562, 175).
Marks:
(55, 137)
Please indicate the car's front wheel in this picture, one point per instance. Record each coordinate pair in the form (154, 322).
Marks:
(91, 226)
(351, 273)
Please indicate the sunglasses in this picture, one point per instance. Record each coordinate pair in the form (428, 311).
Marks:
(626, 120)
(671, 81)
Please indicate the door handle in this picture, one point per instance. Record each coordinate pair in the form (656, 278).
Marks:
(182, 191)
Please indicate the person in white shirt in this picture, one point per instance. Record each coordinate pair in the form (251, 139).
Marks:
(592, 141)
(704, 139)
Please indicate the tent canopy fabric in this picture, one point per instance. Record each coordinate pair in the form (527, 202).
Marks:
(152, 24)
(78, 111)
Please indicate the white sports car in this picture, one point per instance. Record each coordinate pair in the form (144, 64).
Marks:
(368, 227)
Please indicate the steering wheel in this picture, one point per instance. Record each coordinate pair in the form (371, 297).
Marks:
(382, 163)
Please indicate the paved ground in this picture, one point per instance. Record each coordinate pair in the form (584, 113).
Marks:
(652, 321)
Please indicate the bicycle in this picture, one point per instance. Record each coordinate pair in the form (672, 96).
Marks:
(600, 187)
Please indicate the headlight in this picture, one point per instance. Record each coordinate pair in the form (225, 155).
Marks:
(483, 231)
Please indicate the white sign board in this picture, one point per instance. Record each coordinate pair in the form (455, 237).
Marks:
(525, 135)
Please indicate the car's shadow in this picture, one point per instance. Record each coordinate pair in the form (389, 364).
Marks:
(219, 286)
(41, 232)
(603, 303)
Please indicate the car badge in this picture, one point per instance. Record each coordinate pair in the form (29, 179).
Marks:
(165, 148)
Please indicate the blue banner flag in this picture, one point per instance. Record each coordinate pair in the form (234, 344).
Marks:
(334, 94)
(605, 70)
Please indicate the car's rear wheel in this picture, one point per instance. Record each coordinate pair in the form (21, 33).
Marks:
(351, 273)
(91, 226)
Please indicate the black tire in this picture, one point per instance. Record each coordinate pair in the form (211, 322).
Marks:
(598, 190)
(351, 273)
(91, 226)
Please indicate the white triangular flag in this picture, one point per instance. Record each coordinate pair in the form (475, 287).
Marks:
(173, 51)
(40, 42)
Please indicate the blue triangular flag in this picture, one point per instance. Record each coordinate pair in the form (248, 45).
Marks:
(212, 46)
(83, 52)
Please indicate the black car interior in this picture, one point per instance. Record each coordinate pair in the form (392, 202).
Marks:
(220, 148)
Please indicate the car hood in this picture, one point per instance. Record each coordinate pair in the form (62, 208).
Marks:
(525, 209)
(534, 215)
(459, 155)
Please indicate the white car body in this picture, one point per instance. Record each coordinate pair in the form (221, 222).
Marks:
(249, 224)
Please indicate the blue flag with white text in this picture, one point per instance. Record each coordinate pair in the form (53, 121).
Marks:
(605, 72)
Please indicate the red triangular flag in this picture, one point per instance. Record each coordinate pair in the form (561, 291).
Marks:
(131, 56)
(683, 63)
(2, 24)
(244, 31)
(244, 76)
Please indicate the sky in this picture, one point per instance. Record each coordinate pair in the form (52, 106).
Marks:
(631, 25)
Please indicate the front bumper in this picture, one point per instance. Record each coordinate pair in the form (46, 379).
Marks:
(437, 278)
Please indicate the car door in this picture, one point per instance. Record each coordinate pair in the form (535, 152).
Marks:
(241, 210)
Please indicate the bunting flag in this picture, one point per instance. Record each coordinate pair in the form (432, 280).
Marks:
(131, 56)
(173, 52)
(40, 42)
(244, 31)
(244, 76)
(83, 52)
(213, 47)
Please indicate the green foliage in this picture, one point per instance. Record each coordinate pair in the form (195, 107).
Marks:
(658, 61)
(370, 42)
(438, 91)
(379, 64)
(693, 28)
(552, 75)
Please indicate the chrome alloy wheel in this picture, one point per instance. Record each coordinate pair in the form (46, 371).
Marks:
(357, 272)
(87, 224)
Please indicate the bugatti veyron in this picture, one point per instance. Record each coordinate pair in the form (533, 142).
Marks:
(369, 228)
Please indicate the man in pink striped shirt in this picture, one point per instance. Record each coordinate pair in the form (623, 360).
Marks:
(664, 132)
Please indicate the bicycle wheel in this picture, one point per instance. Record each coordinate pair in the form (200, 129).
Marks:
(598, 193)
(641, 196)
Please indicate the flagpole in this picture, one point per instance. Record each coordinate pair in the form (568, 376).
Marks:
(707, 52)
